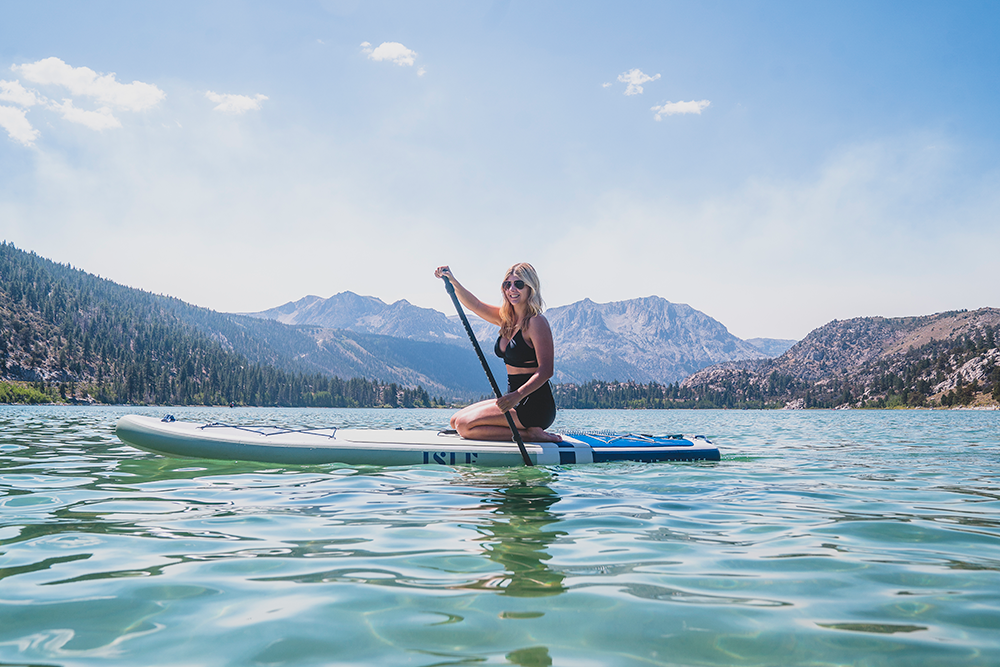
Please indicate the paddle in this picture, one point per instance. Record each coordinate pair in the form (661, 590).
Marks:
(486, 367)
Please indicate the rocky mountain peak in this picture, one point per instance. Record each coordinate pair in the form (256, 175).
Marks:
(644, 339)
(870, 360)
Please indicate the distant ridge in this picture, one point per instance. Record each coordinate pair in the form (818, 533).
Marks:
(368, 314)
(945, 359)
(772, 347)
(76, 337)
(646, 339)
(60, 325)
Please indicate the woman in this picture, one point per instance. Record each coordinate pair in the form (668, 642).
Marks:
(525, 344)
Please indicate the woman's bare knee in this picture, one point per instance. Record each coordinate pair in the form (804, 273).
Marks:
(463, 424)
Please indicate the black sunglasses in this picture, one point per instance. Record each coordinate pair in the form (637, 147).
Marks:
(519, 284)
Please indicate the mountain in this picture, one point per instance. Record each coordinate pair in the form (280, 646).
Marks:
(84, 337)
(940, 359)
(367, 314)
(649, 339)
(772, 347)
(79, 337)
(60, 325)
(443, 369)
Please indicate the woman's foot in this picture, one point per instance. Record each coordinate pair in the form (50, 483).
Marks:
(536, 434)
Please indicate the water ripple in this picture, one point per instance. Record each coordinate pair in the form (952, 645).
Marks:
(865, 538)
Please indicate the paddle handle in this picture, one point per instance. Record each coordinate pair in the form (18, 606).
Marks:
(486, 367)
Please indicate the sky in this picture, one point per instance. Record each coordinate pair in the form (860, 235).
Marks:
(775, 165)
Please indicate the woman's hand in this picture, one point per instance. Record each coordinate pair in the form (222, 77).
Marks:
(508, 401)
(489, 313)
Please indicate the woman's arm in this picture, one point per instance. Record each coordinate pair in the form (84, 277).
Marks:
(484, 310)
(536, 332)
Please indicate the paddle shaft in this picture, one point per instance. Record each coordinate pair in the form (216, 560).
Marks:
(486, 367)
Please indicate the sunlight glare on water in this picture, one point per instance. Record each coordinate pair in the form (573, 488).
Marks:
(821, 538)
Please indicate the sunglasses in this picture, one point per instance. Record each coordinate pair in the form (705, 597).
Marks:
(519, 284)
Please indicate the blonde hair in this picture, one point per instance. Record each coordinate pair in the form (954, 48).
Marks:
(508, 318)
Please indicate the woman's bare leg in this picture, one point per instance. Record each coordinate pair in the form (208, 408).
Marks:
(484, 421)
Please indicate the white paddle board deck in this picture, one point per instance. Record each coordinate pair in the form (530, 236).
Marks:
(269, 444)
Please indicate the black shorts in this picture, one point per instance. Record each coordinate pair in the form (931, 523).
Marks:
(538, 408)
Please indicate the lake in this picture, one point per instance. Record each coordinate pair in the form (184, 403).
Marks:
(821, 538)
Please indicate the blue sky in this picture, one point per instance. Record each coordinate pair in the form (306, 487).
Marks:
(785, 163)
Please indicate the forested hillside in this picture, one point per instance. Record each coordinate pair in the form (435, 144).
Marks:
(68, 334)
(943, 360)
(598, 394)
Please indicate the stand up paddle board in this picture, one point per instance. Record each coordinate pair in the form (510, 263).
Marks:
(270, 444)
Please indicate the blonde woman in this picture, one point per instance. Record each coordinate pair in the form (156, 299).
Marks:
(525, 345)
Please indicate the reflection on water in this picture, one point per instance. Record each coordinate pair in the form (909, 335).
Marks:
(517, 537)
(536, 656)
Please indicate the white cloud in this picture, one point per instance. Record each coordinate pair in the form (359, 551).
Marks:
(391, 51)
(674, 108)
(13, 91)
(102, 119)
(134, 96)
(421, 71)
(235, 103)
(79, 81)
(635, 78)
(17, 125)
(606, 85)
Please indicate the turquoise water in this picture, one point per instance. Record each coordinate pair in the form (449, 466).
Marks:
(822, 538)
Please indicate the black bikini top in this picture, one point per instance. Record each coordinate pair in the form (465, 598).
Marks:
(518, 353)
